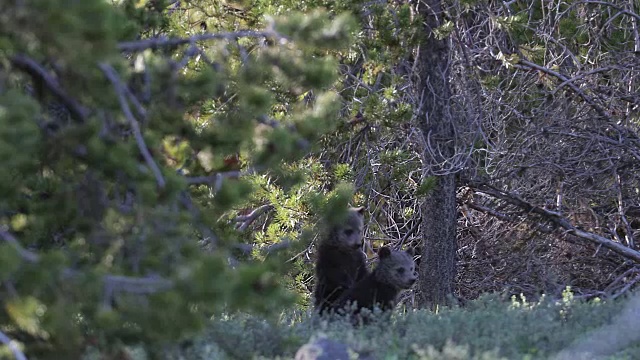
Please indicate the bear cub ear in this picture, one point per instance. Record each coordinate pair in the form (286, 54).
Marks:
(359, 210)
(383, 252)
(411, 251)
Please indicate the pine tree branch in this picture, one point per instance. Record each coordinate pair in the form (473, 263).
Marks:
(120, 89)
(265, 120)
(186, 201)
(245, 220)
(248, 248)
(24, 253)
(162, 42)
(112, 283)
(19, 355)
(39, 74)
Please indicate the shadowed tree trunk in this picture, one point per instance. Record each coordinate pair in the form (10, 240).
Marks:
(437, 270)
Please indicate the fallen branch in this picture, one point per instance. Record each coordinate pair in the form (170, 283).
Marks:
(490, 211)
(558, 220)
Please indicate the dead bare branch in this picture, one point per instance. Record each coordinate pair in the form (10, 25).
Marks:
(570, 84)
(560, 221)
(605, 3)
(121, 90)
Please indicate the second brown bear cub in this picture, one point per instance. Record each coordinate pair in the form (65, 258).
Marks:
(395, 271)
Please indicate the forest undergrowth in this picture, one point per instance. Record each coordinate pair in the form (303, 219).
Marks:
(488, 328)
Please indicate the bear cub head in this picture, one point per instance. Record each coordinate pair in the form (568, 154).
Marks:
(396, 268)
(348, 234)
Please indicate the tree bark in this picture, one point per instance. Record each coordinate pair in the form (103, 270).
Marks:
(438, 266)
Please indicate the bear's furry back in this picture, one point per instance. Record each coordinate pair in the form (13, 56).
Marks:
(370, 293)
(337, 270)
(340, 262)
(394, 272)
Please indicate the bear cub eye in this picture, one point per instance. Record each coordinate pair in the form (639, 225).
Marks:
(348, 232)
(400, 270)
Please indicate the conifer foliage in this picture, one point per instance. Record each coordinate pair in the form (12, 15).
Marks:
(124, 141)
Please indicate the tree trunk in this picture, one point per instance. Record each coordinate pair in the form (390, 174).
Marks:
(437, 269)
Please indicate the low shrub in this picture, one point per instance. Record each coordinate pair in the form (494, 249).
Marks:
(488, 328)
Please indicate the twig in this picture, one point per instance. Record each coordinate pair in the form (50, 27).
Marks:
(144, 150)
(19, 355)
(611, 288)
(581, 76)
(77, 111)
(245, 220)
(626, 287)
(606, 3)
(159, 42)
(410, 232)
(142, 112)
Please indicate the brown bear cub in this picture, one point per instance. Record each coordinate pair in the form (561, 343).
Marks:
(395, 271)
(340, 262)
